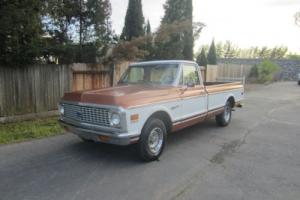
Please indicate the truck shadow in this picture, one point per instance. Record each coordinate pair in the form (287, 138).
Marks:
(118, 154)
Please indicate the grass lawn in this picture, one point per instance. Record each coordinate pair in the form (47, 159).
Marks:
(28, 130)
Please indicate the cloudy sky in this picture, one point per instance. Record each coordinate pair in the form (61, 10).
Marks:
(244, 22)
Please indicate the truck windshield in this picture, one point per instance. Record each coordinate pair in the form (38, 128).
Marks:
(160, 74)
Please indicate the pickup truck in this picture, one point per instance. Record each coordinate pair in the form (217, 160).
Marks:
(151, 100)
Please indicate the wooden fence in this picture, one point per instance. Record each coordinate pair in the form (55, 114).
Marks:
(32, 89)
(227, 71)
(90, 76)
(38, 88)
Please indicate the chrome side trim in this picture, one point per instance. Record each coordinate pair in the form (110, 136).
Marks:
(189, 118)
(203, 114)
(230, 90)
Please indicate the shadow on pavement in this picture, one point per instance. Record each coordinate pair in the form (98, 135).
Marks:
(128, 154)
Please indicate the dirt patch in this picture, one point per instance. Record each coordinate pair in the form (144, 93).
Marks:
(227, 148)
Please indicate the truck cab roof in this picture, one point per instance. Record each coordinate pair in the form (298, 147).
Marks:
(164, 62)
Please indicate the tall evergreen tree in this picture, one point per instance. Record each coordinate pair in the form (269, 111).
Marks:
(212, 55)
(180, 44)
(201, 59)
(148, 28)
(297, 18)
(20, 31)
(134, 21)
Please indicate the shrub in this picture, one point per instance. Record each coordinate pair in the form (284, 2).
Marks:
(253, 72)
(266, 71)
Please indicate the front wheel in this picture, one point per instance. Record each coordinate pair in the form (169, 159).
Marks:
(152, 140)
(224, 118)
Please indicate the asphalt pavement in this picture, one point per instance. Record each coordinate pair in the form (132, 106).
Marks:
(256, 157)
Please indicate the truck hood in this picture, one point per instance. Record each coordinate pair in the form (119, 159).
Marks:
(124, 96)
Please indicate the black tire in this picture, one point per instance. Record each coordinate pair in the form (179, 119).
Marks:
(224, 118)
(298, 82)
(152, 127)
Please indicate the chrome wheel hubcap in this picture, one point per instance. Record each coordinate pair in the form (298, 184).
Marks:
(155, 140)
(227, 112)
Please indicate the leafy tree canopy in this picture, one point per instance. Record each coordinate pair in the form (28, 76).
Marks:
(20, 31)
(179, 45)
(230, 50)
(80, 23)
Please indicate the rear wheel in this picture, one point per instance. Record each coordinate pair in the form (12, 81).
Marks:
(152, 140)
(224, 118)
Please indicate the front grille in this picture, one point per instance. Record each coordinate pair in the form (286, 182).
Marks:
(87, 114)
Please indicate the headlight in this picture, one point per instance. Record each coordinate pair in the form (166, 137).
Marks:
(61, 110)
(115, 119)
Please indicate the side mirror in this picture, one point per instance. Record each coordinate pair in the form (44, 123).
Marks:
(190, 84)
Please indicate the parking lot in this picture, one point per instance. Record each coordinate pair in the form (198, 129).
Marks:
(256, 157)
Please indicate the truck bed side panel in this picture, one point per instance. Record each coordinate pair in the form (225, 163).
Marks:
(219, 94)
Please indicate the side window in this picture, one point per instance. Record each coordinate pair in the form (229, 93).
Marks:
(190, 75)
(136, 74)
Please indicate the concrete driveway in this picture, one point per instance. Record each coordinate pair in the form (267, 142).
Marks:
(256, 157)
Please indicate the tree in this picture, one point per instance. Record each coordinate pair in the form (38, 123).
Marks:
(297, 19)
(179, 45)
(201, 58)
(212, 56)
(78, 26)
(188, 51)
(219, 50)
(20, 31)
(135, 49)
(278, 52)
(58, 17)
(265, 53)
(148, 28)
(99, 27)
(134, 21)
(266, 71)
(229, 50)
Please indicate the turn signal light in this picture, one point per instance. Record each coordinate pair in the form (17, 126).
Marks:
(104, 138)
(134, 118)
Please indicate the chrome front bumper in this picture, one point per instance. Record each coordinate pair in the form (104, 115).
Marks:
(122, 139)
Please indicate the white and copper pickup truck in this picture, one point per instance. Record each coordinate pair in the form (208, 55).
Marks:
(151, 100)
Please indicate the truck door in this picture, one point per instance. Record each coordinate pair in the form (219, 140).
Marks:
(192, 92)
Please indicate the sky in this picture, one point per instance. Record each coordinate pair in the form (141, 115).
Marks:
(246, 23)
